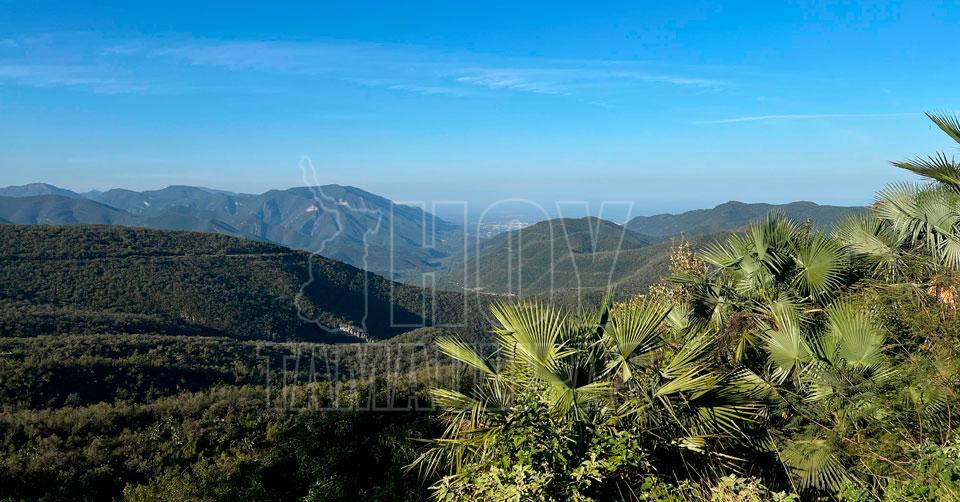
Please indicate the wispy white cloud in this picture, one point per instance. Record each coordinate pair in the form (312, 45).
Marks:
(99, 65)
(680, 80)
(567, 81)
(535, 81)
(424, 90)
(802, 116)
(428, 90)
(39, 75)
(427, 71)
(267, 55)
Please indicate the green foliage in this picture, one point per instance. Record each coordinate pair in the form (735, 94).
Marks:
(832, 356)
(75, 279)
(565, 257)
(582, 402)
(733, 488)
(781, 363)
(223, 444)
(936, 476)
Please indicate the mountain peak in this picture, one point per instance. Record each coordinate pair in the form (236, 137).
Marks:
(33, 189)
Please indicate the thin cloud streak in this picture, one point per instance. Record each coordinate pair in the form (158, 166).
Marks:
(801, 116)
(539, 76)
(567, 81)
(108, 65)
(48, 75)
(428, 90)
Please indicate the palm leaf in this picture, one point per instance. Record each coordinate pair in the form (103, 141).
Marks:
(784, 341)
(532, 330)
(632, 331)
(459, 350)
(821, 264)
(949, 124)
(937, 167)
(815, 463)
(852, 337)
(868, 237)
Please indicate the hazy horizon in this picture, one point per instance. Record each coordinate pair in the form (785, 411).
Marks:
(520, 208)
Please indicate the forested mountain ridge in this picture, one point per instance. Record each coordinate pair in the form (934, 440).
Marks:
(340, 222)
(733, 215)
(57, 279)
(574, 253)
(33, 189)
(60, 210)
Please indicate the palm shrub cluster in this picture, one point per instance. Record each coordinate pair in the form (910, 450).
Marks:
(848, 405)
(574, 403)
(782, 360)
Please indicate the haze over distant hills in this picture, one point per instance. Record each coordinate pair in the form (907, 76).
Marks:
(562, 254)
(344, 223)
(404, 242)
(33, 189)
(549, 255)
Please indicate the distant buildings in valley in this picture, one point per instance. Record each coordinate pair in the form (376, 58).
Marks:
(486, 230)
(353, 331)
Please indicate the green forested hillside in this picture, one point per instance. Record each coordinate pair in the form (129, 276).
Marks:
(136, 364)
(60, 210)
(224, 443)
(733, 215)
(564, 254)
(34, 189)
(82, 278)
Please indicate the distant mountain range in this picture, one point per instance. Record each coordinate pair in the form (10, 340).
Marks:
(589, 253)
(403, 242)
(344, 223)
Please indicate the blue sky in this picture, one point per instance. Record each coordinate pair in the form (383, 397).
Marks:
(672, 106)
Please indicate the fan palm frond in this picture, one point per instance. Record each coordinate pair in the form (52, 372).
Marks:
(897, 204)
(926, 217)
(937, 167)
(735, 401)
(784, 340)
(633, 331)
(930, 401)
(532, 330)
(852, 337)
(816, 463)
(721, 255)
(821, 263)
(949, 124)
(459, 350)
(868, 237)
